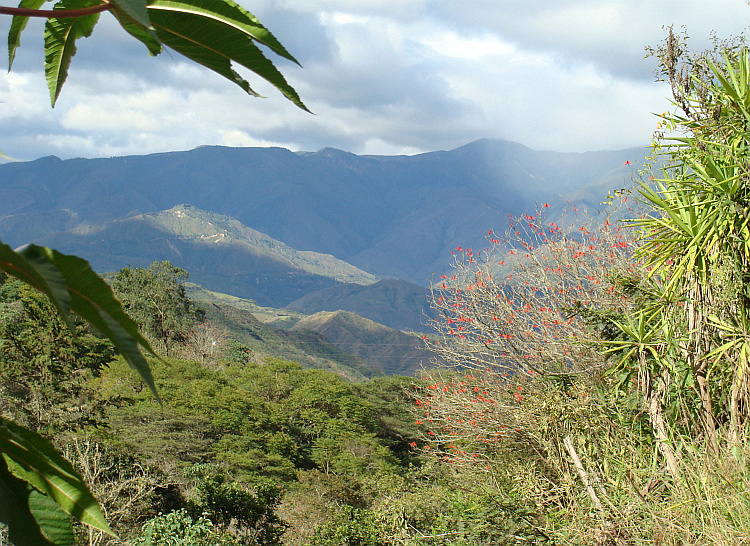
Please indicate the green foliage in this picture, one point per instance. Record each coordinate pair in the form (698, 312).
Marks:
(352, 527)
(251, 513)
(263, 421)
(155, 297)
(42, 362)
(178, 528)
(689, 342)
(71, 286)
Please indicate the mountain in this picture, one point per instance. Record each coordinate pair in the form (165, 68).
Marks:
(388, 350)
(363, 347)
(218, 252)
(397, 304)
(308, 348)
(393, 216)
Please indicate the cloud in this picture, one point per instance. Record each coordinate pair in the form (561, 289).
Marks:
(381, 76)
(611, 34)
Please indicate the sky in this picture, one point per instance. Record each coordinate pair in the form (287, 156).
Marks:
(382, 77)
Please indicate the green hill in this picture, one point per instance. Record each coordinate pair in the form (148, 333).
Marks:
(389, 350)
(307, 348)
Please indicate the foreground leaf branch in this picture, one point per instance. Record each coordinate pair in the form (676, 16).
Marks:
(214, 33)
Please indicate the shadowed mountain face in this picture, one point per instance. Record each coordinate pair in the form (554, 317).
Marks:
(389, 350)
(216, 250)
(390, 216)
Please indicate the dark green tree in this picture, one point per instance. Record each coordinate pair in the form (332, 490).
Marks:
(251, 514)
(155, 298)
(42, 362)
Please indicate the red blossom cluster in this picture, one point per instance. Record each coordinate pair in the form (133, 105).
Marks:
(513, 314)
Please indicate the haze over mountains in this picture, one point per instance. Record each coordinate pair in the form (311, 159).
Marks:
(312, 232)
(393, 217)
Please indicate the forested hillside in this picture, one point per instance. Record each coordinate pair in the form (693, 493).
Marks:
(240, 449)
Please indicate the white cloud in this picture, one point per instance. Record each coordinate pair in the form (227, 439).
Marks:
(473, 48)
(381, 76)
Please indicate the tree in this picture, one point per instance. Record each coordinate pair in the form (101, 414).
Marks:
(521, 325)
(206, 343)
(179, 528)
(42, 363)
(155, 297)
(251, 514)
(524, 304)
(690, 342)
(39, 490)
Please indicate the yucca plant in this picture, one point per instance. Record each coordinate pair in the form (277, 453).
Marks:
(696, 245)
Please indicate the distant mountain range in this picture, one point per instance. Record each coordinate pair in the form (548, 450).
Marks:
(346, 243)
(391, 216)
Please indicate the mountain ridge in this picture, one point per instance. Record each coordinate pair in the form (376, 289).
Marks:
(217, 251)
(393, 216)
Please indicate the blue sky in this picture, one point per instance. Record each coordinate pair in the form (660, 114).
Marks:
(382, 76)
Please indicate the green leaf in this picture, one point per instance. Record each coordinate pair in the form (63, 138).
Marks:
(135, 10)
(215, 33)
(41, 466)
(146, 36)
(17, 25)
(43, 277)
(54, 522)
(231, 14)
(60, 37)
(92, 299)
(15, 510)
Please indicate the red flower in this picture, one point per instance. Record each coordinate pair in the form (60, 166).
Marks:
(413, 444)
(546, 205)
(627, 163)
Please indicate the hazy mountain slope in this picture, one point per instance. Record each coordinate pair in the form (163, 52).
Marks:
(389, 350)
(217, 251)
(396, 216)
(308, 348)
(396, 304)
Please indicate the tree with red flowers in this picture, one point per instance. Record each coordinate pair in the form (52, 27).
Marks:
(518, 324)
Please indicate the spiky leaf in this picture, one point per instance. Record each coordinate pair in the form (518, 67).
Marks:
(17, 25)
(215, 33)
